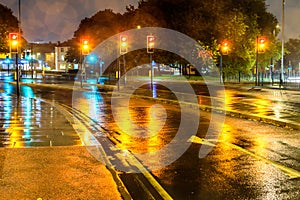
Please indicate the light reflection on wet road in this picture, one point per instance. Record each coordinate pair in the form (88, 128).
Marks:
(227, 172)
(30, 122)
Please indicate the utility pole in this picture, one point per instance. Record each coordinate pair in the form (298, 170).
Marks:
(256, 63)
(19, 41)
(282, 46)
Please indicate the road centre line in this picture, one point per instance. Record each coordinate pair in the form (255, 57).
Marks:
(292, 173)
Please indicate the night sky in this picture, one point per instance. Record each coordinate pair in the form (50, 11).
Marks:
(56, 20)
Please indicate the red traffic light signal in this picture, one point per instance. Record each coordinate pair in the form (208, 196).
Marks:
(85, 47)
(123, 44)
(13, 42)
(150, 43)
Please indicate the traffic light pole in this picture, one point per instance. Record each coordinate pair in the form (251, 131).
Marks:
(19, 40)
(221, 68)
(256, 65)
(282, 47)
(124, 68)
(119, 72)
(151, 72)
(17, 76)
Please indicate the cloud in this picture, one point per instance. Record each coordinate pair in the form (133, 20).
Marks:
(292, 14)
(62, 17)
(56, 20)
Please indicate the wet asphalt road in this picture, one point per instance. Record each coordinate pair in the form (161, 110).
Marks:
(249, 160)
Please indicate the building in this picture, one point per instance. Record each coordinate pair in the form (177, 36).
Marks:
(43, 53)
(61, 50)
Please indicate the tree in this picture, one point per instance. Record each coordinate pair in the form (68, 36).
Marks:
(292, 56)
(97, 28)
(207, 21)
(9, 23)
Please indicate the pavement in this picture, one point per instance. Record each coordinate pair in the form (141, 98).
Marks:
(43, 157)
(268, 104)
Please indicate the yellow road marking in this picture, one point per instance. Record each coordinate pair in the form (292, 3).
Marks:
(132, 160)
(288, 171)
(163, 193)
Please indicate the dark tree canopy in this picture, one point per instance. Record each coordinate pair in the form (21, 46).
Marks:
(207, 21)
(8, 23)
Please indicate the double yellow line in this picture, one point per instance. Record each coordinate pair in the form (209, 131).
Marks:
(131, 158)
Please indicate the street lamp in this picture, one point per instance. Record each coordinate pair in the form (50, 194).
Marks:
(282, 46)
(19, 37)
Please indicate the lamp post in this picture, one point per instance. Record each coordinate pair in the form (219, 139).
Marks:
(256, 63)
(282, 46)
(19, 40)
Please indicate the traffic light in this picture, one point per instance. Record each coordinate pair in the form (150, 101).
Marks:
(225, 47)
(85, 47)
(150, 43)
(261, 44)
(123, 44)
(13, 42)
